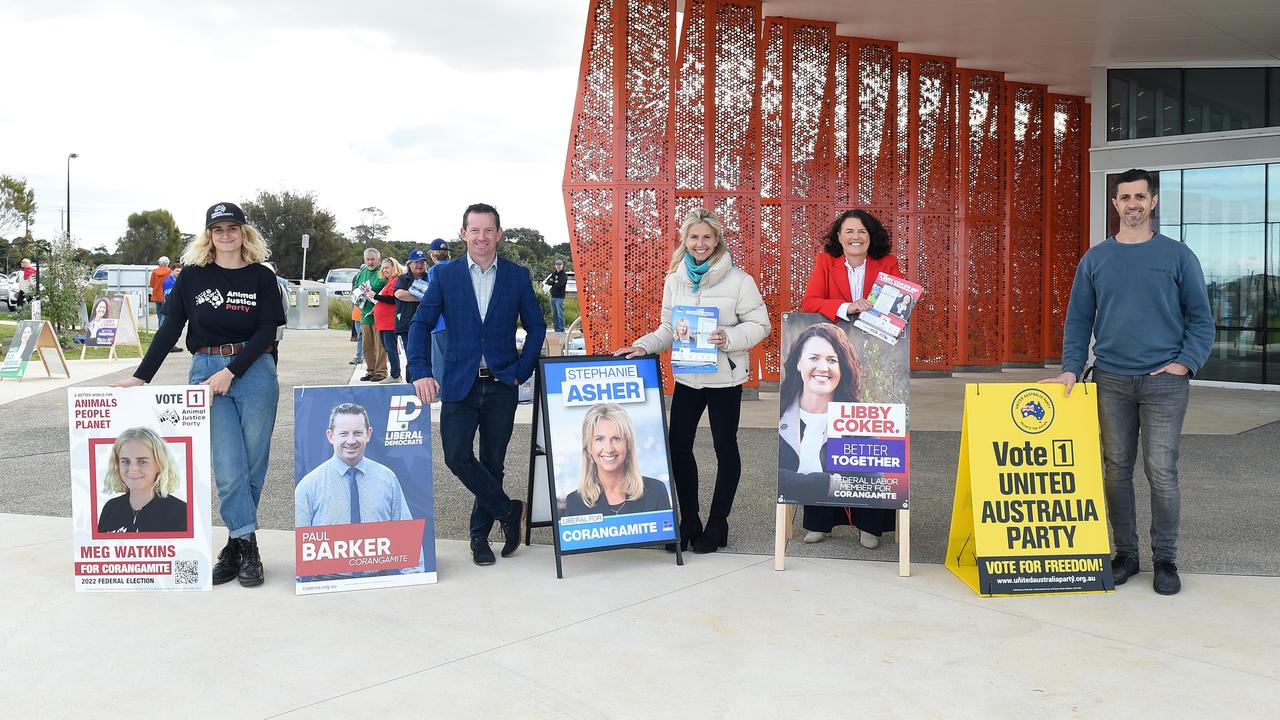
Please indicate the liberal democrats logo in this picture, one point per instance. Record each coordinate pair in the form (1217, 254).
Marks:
(402, 410)
(1032, 411)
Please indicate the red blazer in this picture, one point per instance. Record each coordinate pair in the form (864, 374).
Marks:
(829, 284)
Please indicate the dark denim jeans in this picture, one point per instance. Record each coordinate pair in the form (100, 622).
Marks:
(240, 429)
(1149, 408)
(557, 313)
(393, 353)
(490, 407)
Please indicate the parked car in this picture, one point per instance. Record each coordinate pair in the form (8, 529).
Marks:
(338, 282)
(9, 291)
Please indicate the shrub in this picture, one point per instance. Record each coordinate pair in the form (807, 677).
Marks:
(340, 314)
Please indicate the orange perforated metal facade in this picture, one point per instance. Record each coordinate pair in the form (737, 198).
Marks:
(779, 124)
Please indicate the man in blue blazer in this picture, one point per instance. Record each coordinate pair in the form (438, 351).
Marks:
(480, 296)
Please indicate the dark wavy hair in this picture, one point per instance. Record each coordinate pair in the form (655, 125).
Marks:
(849, 389)
(880, 246)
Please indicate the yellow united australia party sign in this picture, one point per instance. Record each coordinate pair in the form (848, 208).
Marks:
(1029, 514)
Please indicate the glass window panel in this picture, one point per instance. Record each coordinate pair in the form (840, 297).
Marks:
(1232, 257)
(1273, 284)
(1274, 118)
(1236, 357)
(1152, 99)
(1224, 195)
(1117, 109)
(1219, 99)
(1172, 231)
(1273, 193)
(1169, 209)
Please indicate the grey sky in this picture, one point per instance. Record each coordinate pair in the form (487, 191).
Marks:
(419, 108)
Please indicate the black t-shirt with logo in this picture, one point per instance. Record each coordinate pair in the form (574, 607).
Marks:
(219, 306)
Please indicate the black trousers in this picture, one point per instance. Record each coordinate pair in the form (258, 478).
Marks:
(725, 407)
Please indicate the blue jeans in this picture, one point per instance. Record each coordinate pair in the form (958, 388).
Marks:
(1150, 408)
(557, 313)
(393, 353)
(241, 423)
(359, 328)
(159, 313)
(490, 407)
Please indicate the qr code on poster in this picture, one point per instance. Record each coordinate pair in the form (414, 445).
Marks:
(186, 572)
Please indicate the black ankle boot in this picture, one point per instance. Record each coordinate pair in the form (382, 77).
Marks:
(228, 565)
(250, 562)
(714, 537)
(690, 530)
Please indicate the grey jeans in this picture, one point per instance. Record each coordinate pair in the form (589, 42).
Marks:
(1150, 408)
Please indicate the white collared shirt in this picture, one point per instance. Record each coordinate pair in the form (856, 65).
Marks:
(857, 278)
(482, 282)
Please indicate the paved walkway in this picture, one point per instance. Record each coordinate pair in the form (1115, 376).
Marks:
(626, 634)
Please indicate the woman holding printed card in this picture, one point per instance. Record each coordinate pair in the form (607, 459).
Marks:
(856, 251)
(724, 316)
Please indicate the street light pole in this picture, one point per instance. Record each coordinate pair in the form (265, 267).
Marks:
(69, 158)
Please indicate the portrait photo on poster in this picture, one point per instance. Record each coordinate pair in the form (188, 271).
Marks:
(606, 439)
(142, 484)
(842, 428)
(363, 497)
(103, 320)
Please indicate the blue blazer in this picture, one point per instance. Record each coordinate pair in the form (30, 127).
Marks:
(452, 297)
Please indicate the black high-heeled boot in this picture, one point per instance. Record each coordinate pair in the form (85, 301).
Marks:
(690, 530)
(714, 536)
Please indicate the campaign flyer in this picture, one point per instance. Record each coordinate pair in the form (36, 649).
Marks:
(609, 458)
(892, 301)
(100, 330)
(20, 348)
(691, 350)
(140, 488)
(364, 513)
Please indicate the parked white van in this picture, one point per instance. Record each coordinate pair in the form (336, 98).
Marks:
(123, 278)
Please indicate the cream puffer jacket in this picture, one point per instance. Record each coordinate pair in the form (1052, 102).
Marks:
(742, 316)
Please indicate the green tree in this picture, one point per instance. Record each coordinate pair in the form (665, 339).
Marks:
(97, 256)
(528, 247)
(283, 218)
(61, 280)
(17, 205)
(151, 233)
(371, 232)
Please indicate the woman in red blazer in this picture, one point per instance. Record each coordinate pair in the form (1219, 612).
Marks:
(856, 251)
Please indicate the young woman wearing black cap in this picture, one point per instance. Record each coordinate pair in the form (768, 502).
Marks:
(231, 307)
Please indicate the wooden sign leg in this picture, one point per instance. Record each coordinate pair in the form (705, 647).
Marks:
(904, 543)
(781, 531)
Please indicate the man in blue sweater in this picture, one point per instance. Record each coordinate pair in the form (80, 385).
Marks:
(1141, 297)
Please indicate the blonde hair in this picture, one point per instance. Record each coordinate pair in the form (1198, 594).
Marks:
(166, 479)
(633, 483)
(396, 267)
(253, 247)
(695, 216)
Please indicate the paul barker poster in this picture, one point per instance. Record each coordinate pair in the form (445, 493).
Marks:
(364, 513)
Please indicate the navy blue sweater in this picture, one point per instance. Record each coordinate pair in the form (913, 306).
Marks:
(1145, 305)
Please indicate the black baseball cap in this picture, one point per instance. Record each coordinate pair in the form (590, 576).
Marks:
(224, 211)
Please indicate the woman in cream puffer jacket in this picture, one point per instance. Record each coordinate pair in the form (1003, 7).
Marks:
(703, 275)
